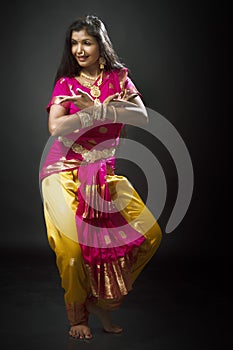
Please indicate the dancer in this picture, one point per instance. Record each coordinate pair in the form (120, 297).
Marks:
(98, 226)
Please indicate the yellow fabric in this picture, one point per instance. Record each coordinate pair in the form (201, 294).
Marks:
(60, 204)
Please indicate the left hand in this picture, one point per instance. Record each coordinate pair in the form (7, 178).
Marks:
(124, 96)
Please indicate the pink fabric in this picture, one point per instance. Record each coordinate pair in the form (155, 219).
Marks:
(99, 226)
(65, 86)
(109, 86)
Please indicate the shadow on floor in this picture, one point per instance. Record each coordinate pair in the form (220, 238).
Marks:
(175, 304)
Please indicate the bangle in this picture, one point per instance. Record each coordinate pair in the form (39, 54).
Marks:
(115, 114)
(85, 119)
(97, 110)
(104, 107)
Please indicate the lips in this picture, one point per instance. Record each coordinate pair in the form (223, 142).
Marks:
(82, 58)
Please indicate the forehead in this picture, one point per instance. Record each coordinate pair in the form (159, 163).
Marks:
(81, 35)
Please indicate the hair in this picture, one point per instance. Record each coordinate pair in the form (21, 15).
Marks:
(96, 28)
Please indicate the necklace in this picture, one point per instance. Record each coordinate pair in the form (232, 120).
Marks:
(94, 89)
(88, 76)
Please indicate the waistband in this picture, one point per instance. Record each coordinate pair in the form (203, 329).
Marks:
(89, 156)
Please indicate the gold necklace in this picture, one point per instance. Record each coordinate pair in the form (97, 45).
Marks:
(86, 84)
(94, 89)
(88, 76)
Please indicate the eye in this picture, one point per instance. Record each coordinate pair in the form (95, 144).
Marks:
(73, 42)
(86, 42)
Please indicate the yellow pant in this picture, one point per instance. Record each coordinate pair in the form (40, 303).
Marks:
(60, 204)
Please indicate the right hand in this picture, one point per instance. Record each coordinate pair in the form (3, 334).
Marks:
(82, 100)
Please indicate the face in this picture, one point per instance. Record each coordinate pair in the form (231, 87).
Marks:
(85, 49)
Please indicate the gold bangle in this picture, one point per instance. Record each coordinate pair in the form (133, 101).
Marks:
(104, 112)
(115, 114)
(97, 110)
(85, 119)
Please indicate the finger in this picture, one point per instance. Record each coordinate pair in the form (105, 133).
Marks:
(65, 98)
(112, 97)
(81, 92)
(85, 94)
(60, 101)
(131, 96)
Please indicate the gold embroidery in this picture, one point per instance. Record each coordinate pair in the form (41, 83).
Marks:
(103, 130)
(123, 234)
(107, 239)
(115, 277)
(88, 155)
(72, 261)
(92, 142)
(92, 203)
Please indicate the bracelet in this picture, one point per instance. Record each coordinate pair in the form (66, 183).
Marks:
(85, 119)
(104, 111)
(97, 110)
(115, 114)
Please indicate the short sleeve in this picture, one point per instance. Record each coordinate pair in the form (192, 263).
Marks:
(61, 88)
(126, 83)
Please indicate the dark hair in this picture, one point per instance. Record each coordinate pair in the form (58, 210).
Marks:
(96, 28)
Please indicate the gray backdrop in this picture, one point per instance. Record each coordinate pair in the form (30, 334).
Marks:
(176, 52)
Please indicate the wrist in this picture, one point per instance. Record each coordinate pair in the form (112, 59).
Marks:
(85, 118)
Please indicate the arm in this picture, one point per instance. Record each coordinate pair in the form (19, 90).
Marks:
(60, 123)
(127, 113)
(132, 111)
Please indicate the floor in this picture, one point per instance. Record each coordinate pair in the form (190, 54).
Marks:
(176, 304)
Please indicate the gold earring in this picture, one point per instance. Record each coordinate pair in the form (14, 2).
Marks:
(102, 62)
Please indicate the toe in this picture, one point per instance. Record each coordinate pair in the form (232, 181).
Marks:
(71, 332)
(74, 333)
(80, 332)
(81, 335)
(88, 336)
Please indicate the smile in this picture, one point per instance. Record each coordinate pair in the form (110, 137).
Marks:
(82, 58)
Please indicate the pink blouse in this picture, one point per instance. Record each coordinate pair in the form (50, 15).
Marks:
(113, 82)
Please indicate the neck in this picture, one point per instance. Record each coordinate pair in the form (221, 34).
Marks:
(91, 72)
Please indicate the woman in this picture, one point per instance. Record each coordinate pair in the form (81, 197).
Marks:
(99, 228)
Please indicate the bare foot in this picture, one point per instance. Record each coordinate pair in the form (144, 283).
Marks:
(80, 331)
(113, 329)
(104, 316)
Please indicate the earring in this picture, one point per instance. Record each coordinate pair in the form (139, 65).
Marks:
(102, 62)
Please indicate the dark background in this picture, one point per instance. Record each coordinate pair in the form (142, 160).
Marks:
(178, 56)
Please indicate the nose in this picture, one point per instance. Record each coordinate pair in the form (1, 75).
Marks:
(80, 50)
